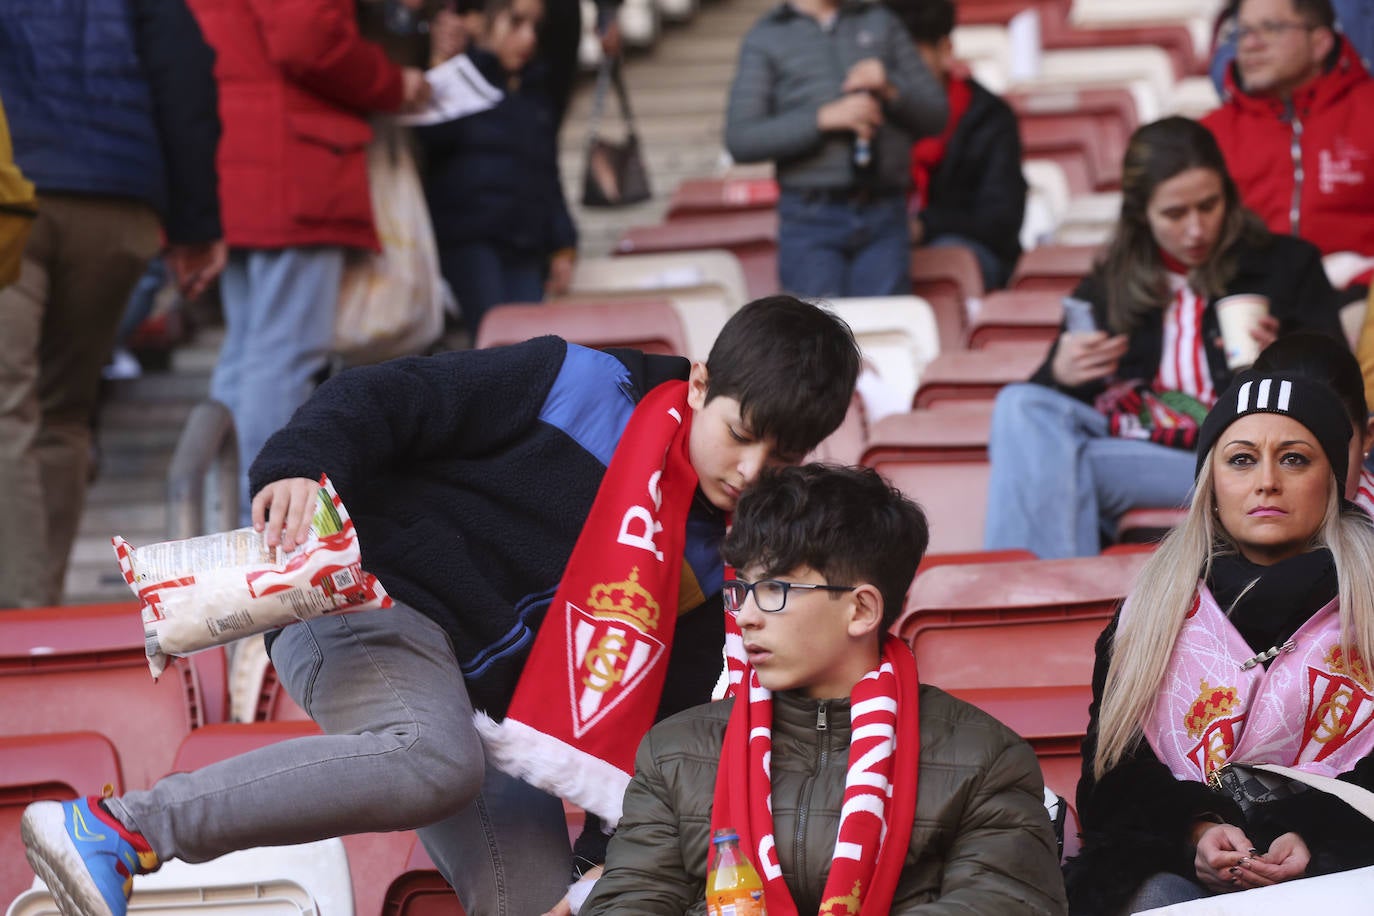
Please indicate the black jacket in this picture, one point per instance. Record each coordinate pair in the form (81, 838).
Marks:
(469, 475)
(1285, 269)
(1137, 819)
(493, 176)
(978, 190)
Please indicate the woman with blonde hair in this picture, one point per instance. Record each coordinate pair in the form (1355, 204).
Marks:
(1246, 640)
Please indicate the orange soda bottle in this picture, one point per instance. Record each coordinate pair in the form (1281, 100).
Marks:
(733, 887)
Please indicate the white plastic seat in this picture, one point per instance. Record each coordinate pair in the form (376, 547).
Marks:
(897, 336)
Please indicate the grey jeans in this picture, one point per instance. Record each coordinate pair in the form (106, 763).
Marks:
(399, 752)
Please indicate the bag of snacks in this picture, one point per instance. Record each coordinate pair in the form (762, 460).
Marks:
(212, 590)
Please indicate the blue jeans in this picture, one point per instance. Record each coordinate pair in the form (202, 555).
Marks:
(1164, 889)
(399, 752)
(1060, 482)
(995, 272)
(829, 249)
(279, 308)
(483, 275)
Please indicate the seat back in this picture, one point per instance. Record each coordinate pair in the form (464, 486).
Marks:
(949, 278)
(1016, 316)
(651, 325)
(1056, 268)
(977, 375)
(938, 457)
(53, 767)
(897, 336)
(83, 668)
(420, 890)
(1018, 624)
(698, 196)
(752, 236)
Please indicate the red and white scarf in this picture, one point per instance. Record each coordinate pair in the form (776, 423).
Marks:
(1183, 360)
(1364, 496)
(591, 686)
(879, 793)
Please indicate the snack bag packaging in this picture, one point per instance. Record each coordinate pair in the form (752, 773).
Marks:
(212, 590)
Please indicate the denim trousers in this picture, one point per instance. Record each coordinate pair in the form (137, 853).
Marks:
(279, 309)
(829, 248)
(399, 752)
(1164, 889)
(482, 275)
(57, 327)
(1060, 482)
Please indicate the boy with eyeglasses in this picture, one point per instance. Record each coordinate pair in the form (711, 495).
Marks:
(849, 783)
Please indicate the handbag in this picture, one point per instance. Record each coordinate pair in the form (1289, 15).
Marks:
(1253, 784)
(614, 174)
(392, 302)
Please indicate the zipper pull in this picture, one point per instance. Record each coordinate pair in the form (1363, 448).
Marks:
(821, 723)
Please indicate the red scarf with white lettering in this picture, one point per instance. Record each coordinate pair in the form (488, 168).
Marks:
(879, 792)
(591, 686)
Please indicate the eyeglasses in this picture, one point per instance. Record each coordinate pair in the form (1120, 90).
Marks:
(770, 595)
(1269, 29)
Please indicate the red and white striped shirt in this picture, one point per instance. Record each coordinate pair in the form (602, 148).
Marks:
(1183, 360)
(1364, 496)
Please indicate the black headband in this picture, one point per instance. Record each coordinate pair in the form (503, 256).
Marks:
(1311, 403)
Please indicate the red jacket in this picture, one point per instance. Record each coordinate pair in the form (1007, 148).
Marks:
(295, 82)
(1333, 191)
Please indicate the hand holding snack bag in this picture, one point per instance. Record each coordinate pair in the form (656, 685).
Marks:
(212, 590)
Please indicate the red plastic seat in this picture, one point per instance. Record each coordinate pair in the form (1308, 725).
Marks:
(1056, 268)
(651, 325)
(932, 560)
(949, 279)
(420, 890)
(977, 375)
(846, 444)
(938, 457)
(752, 236)
(1110, 103)
(1016, 316)
(698, 196)
(1016, 625)
(1101, 143)
(1148, 526)
(51, 767)
(83, 668)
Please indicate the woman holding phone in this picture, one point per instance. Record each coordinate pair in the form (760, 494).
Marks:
(1067, 461)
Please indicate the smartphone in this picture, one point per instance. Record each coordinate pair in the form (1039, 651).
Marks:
(1078, 315)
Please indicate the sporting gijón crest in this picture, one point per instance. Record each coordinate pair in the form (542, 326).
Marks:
(611, 648)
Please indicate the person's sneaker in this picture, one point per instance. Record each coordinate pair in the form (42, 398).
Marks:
(85, 857)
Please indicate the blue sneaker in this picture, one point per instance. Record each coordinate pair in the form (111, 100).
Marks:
(86, 858)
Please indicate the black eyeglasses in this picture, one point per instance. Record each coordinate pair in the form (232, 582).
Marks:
(769, 594)
(1269, 29)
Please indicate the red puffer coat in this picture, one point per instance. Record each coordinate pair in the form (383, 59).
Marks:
(1311, 174)
(295, 83)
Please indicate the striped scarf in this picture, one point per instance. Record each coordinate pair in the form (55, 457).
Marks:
(875, 820)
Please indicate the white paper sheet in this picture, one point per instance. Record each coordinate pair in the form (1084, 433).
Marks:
(457, 89)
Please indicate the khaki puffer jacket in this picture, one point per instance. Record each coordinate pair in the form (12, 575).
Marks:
(981, 842)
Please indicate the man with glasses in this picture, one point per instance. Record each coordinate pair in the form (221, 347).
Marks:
(816, 761)
(1296, 127)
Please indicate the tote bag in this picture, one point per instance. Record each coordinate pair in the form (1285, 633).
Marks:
(614, 174)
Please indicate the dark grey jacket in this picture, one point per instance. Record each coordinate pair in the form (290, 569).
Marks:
(981, 842)
(789, 66)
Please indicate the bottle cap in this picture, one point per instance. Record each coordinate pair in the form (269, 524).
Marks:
(725, 834)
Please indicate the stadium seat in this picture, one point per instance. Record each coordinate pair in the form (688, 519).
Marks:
(1067, 137)
(83, 668)
(1055, 268)
(751, 235)
(948, 277)
(698, 196)
(977, 375)
(1016, 316)
(897, 335)
(1147, 526)
(648, 275)
(846, 444)
(51, 767)
(651, 325)
(938, 457)
(1019, 624)
(420, 890)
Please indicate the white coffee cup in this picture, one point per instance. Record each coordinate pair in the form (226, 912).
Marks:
(1238, 315)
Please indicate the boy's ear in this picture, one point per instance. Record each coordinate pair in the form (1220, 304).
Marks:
(697, 383)
(867, 615)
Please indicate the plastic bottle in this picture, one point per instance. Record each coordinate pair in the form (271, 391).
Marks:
(733, 887)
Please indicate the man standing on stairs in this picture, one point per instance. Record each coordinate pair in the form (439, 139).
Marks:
(111, 105)
(834, 93)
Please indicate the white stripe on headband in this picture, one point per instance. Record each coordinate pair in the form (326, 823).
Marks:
(1285, 395)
